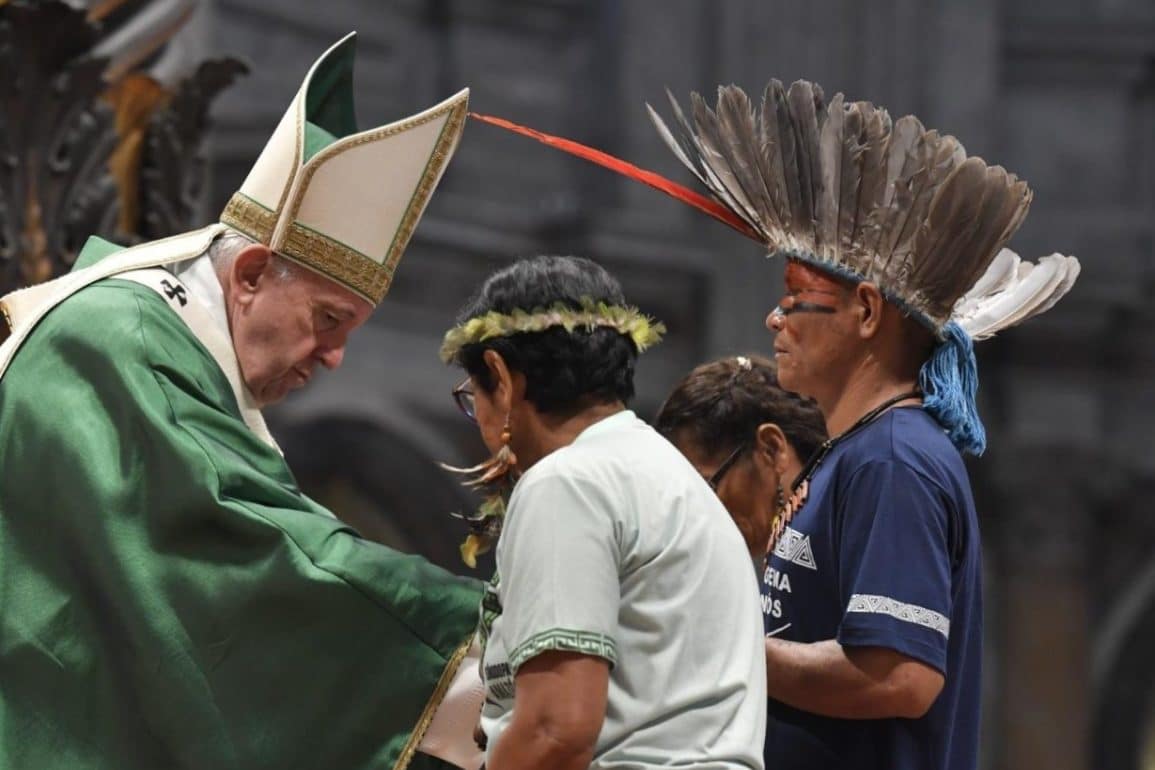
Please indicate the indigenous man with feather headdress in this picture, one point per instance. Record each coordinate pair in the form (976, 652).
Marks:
(893, 242)
(170, 597)
(894, 263)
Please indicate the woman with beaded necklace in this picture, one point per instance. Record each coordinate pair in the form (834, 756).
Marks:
(748, 438)
(616, 564)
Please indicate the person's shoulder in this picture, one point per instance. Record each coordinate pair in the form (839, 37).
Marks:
(622, 444)
(112, 317)
(624, 451)
(107, 311)
(911, 438)
(919, 440)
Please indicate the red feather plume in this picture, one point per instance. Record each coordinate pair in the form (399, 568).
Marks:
(673, 189)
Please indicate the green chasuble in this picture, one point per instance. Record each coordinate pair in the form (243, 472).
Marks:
(168, 596)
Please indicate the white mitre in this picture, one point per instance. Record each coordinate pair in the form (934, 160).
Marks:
(339, 201)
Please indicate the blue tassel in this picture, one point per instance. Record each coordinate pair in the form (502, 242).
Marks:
(950, 382)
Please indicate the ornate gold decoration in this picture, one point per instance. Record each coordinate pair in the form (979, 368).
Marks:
(359, 272)
(7, 326)
(135, 99)
(344, 264)
(91, 145)
(35, 259)
(251, 218)
(316, 251)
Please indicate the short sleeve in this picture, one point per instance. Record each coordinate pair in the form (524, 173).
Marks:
(895, 575)
(558, 561)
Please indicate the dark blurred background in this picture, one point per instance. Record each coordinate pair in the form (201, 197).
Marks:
(1060, 92)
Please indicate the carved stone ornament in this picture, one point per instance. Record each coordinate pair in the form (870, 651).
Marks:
(91, 143)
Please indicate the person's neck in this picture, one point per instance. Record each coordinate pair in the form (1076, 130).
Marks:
(549, 433)
(863, 392)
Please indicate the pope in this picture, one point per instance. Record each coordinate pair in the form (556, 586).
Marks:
(170, 597)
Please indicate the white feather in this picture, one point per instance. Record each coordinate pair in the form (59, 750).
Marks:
(1012, 290)
(999, 274)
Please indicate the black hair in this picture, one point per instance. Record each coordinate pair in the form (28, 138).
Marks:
(564, 371)
(721, 404)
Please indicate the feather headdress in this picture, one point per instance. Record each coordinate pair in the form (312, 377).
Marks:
(845, 189)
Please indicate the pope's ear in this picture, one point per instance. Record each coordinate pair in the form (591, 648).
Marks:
(252, 265)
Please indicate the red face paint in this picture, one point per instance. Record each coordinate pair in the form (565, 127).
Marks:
(810, 290)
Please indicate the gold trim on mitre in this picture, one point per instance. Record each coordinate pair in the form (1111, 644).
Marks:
(249, 217)
(318, 252)
(359, 272)
(349, 209)
(364, 276)
(442, 152)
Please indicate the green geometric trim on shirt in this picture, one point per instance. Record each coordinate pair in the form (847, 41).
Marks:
(566, 640)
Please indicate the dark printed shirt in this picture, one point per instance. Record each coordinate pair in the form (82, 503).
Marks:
(884, 552)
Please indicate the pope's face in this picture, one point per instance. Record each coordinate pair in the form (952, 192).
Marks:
(284, 327)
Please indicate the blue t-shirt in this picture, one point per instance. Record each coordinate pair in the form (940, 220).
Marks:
(884, 552)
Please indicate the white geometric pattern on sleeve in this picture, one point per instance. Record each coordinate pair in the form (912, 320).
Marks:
(911, 613)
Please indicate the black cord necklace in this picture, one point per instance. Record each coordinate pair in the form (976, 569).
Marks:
(820, 454)
(800, 488)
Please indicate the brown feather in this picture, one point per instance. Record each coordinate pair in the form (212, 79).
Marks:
(831, 143)
(941, 273)
(802, 99)
(788, 154)
(871, 187)
(900, 147)
(940, 159)
(771, 154)
(849, 178)
(710, 136)
(736, 116)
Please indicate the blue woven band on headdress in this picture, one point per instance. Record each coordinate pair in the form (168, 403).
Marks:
(950, 383)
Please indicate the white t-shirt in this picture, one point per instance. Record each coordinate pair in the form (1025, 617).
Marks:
(614, 546)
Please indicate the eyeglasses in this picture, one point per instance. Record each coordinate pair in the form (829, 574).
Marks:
(463, 397)
(716, 478)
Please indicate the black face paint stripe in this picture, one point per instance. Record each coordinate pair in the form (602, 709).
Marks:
(806, 307)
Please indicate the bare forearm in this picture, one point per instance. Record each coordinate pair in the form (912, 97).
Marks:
(824, 678)
(522, 748)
